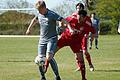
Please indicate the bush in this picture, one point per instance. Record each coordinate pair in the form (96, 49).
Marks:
(16, 29)
(105, 27)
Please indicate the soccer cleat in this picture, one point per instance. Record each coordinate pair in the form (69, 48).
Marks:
(96, 47)
(78, 69)
(91, 68)
(58, 78)
(90, 47)
(43, 78)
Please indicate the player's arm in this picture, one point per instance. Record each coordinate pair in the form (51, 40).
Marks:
(67, 24)
(33, 22)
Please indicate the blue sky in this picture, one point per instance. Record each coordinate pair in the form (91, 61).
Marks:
(49, 3)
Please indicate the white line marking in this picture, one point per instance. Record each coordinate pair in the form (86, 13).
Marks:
(19, 36)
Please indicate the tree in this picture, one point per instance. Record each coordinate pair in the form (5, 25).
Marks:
(109, 10)
(17, 4)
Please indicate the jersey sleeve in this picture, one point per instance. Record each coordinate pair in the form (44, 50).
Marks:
(69, 19)
(56, 16)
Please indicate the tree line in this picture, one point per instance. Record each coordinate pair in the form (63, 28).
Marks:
(13, 22)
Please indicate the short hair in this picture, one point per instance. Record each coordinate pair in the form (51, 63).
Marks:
(40, 3)
(82, 13)
(80, 4)
(93, 13)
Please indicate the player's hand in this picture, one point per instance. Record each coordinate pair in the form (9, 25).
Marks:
(76, 31)
(71, 31)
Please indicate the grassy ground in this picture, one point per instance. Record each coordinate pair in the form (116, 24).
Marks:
(17, 56)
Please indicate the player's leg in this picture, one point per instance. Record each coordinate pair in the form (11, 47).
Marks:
(77, 49)
(88, 58)
(81, 64)
(42, 73)
(85, 51)
(61, 43)
(96, 42)
(51, 47)
(90, 41)
(55, 68)
(42, 52)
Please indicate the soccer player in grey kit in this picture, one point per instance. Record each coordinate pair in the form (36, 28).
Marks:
(48, 35)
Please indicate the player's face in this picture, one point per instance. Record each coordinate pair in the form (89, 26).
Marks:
(41, 10)
(78, 8)
(92, 15)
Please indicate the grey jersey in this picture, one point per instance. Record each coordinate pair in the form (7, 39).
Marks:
(48, 25)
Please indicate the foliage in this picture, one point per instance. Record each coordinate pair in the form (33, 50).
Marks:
(109, 10)
(13, 22)
(15, 4)
(66, 8)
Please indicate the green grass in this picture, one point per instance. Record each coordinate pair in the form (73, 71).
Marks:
(17, 56)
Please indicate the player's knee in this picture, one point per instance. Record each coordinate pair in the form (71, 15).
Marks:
(80, 60)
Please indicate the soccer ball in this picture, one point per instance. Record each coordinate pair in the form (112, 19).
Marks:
(40, 60)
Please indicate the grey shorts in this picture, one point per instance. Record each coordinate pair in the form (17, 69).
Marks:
(48, 47)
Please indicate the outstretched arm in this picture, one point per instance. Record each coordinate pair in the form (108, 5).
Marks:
(33, 22)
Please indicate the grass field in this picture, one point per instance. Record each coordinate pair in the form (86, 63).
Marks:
(17, 60)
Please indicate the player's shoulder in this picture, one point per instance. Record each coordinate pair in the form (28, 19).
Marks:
(71, 18)
(51, 13)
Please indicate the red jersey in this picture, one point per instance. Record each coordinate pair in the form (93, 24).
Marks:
(84, 28)
(73, 23)
(75, 40)
(87, 20)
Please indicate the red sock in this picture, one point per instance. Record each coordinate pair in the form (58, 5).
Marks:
(88, 58)
(46, 64)
(83, 72)
(81, 65)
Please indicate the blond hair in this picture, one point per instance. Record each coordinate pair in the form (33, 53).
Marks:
(40, 4)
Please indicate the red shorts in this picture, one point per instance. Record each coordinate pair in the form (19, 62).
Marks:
(74, 44)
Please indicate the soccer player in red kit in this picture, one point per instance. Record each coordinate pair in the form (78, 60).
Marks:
(73, 38)
(80, 6)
